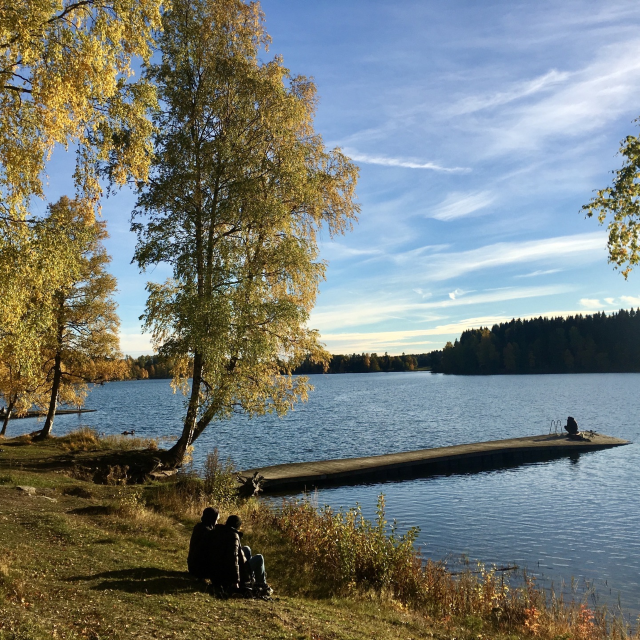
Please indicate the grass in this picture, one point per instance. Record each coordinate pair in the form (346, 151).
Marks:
(84, 560)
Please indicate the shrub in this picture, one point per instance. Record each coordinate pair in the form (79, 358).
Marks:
(350, 553)
(191, 492)
(220, 482)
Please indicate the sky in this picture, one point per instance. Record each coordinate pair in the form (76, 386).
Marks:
(480, 130)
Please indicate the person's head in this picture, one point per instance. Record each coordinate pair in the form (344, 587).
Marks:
(234, 521)
(210, 517)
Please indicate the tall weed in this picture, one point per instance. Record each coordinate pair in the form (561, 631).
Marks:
(191, 491)
(349, 553)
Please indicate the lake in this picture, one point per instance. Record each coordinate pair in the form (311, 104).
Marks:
(569, 521)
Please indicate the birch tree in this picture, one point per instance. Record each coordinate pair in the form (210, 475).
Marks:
(240, 186)
(82, 344)
(619, 204)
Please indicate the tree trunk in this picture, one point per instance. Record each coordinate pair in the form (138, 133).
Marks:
(57, 376)
(7, 416)
(175, 456)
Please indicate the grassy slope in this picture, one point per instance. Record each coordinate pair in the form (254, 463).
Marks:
(78, 567)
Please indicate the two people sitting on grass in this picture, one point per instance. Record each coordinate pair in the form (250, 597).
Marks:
(216, 553)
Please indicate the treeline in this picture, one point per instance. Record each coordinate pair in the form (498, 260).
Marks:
(371, 363)
(578, 344)
(144, 367)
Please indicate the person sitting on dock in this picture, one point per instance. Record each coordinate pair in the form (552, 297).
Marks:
(572, 429)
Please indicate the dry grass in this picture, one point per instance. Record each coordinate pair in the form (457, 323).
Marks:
(88, 439)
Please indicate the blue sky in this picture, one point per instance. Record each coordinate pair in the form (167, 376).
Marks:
(480, 129)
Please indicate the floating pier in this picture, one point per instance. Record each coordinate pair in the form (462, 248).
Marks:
(462, 458)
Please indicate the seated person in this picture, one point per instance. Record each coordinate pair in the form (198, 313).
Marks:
(255, 563)
(572, 429)
(197, 559)
(232, 565)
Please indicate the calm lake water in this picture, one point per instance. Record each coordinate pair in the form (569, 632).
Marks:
(569, 521)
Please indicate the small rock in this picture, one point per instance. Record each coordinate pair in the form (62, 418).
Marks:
(48, 498)
(158, 475)
(28, 490)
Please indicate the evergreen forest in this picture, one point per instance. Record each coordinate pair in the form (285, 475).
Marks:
(595, 343)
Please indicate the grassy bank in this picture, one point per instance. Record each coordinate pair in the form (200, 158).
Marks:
(86, 560)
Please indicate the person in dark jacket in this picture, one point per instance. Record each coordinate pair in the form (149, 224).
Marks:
(254, 563)
(228, 566)
(198, 560)
(572, 429)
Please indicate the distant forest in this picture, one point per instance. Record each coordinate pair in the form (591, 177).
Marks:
(144, 367)
(372, 363)
(578, 344)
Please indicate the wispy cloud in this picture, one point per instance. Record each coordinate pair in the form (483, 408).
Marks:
(414, 340)
(591, 303)
(584, 101)
(519, 90)
(363, 312)
(588, 246)
(539, 272)
(458, 205)
(456, 294)
(340, 251)
(402, 162)
(623, 301)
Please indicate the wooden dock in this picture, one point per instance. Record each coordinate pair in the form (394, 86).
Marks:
(463, 458)
(42, 414)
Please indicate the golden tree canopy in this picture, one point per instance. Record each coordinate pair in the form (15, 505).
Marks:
(65, 77)
(239, 188)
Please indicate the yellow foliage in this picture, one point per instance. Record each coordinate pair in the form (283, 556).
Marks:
(241, 186)
(65, 78)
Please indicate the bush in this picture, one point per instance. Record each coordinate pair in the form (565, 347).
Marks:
(220, 482)
(191, 492)
(350, 553)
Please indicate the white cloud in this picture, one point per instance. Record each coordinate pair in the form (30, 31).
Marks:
(591, 303)
(610, 301)
(340, 251)
(539, 272)
(519, 90)
(597, 94)
(457, 205)
(413, 340)
(631, 300)
(362, 313)
(451, 265)
(136, 344)
(457, 293)
(402, 162)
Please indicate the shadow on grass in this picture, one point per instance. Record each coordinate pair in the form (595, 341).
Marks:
(143, 580)
(92, 510)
